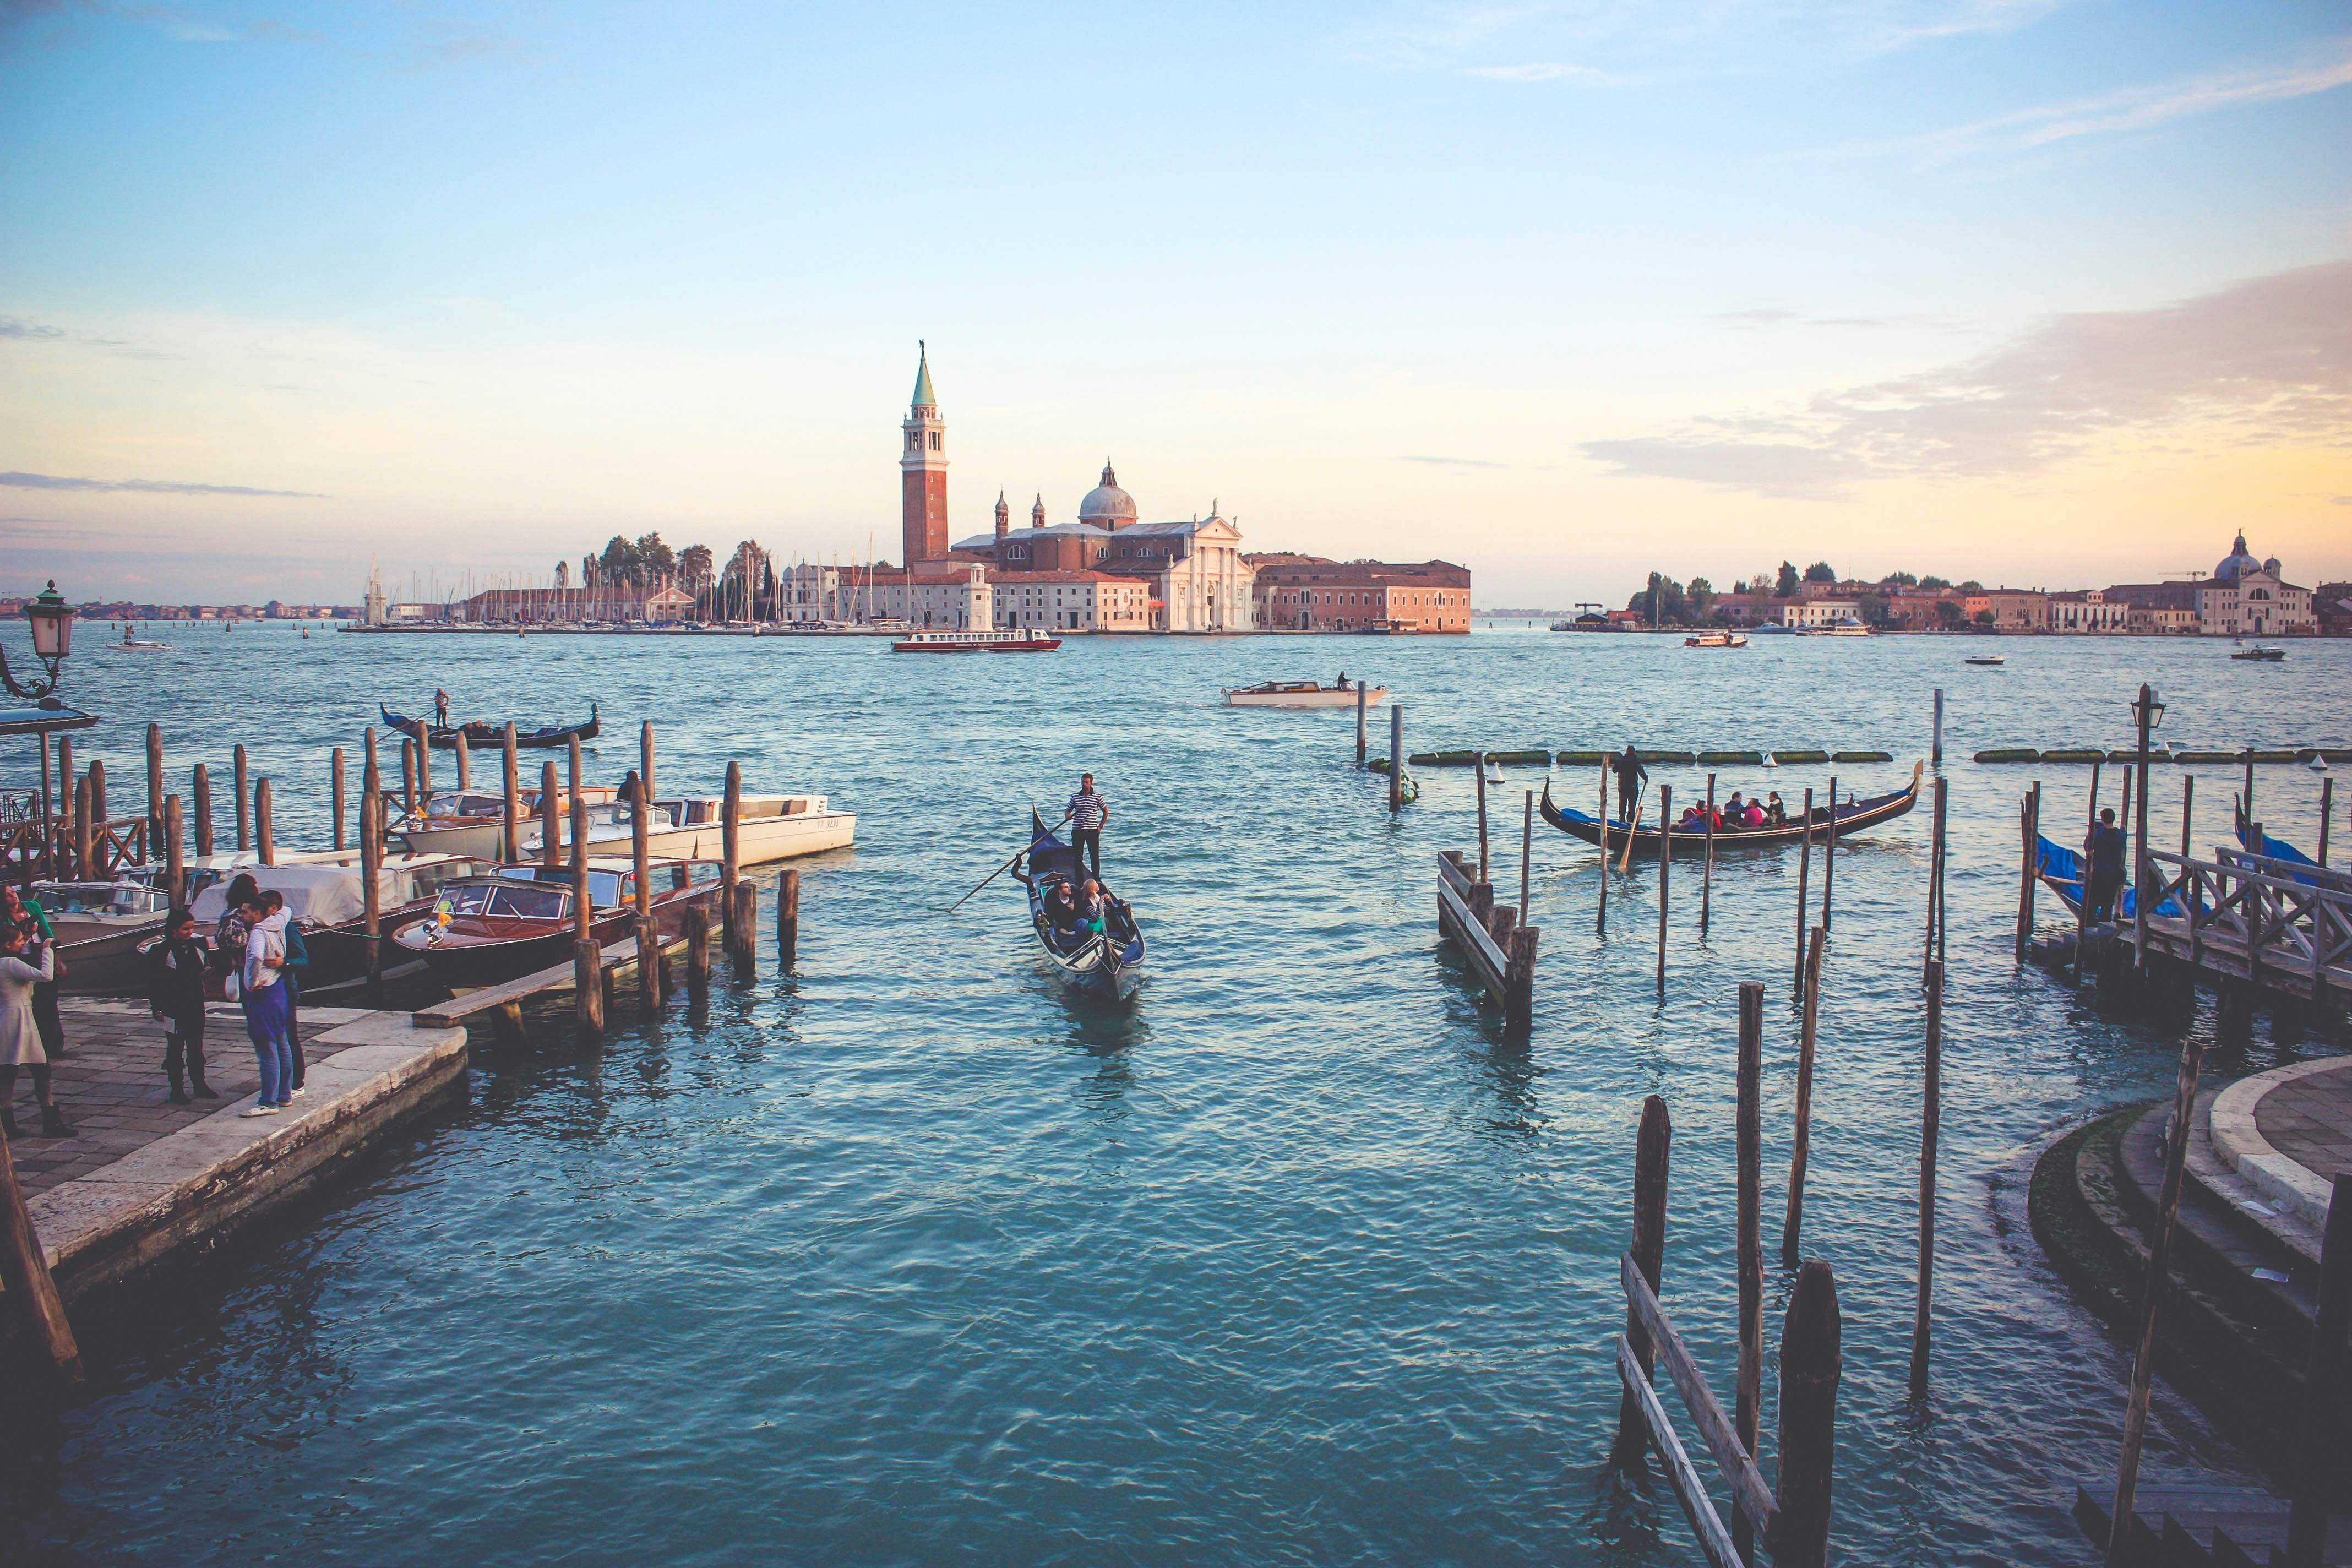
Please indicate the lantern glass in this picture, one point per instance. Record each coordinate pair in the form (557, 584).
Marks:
(52, 620)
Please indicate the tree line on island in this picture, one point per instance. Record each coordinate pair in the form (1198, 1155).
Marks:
(744, 588)
(1697, 603)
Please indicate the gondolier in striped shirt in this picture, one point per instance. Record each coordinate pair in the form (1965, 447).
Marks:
(1088, 812)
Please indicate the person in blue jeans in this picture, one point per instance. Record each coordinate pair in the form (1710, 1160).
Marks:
(268, 1001)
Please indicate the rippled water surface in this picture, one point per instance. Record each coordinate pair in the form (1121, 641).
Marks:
(904, 1257)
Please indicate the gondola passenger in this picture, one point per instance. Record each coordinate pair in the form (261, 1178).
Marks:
(1735, 811)
(1062, 914)
(1094, 906)
(1776, 814)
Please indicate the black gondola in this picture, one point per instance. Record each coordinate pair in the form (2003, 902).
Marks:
(1849, 819)
(480, 735)
(1106, 964)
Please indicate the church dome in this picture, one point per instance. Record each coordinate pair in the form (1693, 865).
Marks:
(2240, 559)
(1107, 505)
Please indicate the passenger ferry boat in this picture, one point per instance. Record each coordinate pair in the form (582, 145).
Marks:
(1026, 640)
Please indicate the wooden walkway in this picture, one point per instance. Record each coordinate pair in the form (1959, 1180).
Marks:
(2248, 917)
(1498, 951)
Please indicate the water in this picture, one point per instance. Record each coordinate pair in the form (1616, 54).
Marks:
(907, 1258)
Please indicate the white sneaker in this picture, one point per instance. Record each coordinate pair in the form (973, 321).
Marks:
(260, 1110)
(297, 1093)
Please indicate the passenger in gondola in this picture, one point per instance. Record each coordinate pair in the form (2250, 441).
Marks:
(1693, 820)
(1094, 906)
(1753, 816)
(1735, 811)
(1062, 914)
(1776, 814)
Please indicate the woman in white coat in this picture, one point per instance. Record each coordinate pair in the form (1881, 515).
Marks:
(26, 962)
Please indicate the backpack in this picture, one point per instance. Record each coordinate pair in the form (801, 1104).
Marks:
(297, 955)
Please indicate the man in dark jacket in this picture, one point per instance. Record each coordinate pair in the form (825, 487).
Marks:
(1630, 774)
(175, 994)
(2104, 849)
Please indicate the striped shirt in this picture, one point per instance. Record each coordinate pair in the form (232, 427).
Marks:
(1088, 810)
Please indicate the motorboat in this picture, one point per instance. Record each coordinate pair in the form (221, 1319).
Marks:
(1026, 640)
(131, 643)
(99, 926)
(510, 920)
(1302, 694)
(328, 904)
(473, 822)
(1986, 660)
(1717, 639)
(2258, 654)
(767, 827)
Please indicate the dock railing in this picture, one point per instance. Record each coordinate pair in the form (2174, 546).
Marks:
(1499, 951)
(2253, 918)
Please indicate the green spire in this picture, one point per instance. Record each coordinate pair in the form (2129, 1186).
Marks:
(924, 398)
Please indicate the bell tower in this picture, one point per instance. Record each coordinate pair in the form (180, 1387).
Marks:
(923, 471)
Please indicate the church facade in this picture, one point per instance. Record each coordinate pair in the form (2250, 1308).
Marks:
(2246, 597)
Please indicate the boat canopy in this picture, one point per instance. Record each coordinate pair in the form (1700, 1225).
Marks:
(317, 895)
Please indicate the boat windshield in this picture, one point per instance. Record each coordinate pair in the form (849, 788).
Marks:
(101, 899)
(513, 902)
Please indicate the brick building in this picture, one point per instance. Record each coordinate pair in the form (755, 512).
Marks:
(1307, 593)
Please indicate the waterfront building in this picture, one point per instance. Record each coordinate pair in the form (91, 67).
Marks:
(1309, 593)
(1799, 614)
(923, 471)
(2245, 597)
(945, 596)
(2082, 611)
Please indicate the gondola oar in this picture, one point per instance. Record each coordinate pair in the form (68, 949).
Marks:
(1641, 793)
(1000, 869)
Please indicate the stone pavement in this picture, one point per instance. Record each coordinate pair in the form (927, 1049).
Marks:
(2309, 1120)
(2287, 1133)
(111, 1088)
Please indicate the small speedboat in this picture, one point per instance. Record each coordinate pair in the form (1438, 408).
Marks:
(132, 644)
(1984, 658)
(519, 919)
(1717, 639)
(1303, 694)
(2260, 655)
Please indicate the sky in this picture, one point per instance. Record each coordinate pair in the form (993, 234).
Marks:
(2035, 292)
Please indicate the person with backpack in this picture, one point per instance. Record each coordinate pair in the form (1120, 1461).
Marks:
(175, 995)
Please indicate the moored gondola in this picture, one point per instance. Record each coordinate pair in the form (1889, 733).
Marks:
(1848, 819)
(479, 734)
(1107, 963)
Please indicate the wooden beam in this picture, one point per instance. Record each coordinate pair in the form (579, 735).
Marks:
(1690, 1488)
(1749, 1495)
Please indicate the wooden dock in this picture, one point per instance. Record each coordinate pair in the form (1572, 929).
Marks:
(2248, 918)
(1499, 951)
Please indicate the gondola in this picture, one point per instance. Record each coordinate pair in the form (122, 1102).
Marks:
(1850, 818)
(2061, 870)
(1107, 964)
(478, 735)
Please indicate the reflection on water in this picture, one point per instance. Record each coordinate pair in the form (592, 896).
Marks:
(908, 1256)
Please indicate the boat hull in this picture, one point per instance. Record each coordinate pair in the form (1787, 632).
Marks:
(1849, 820)
(484, 838)
(1325, 698)
(760, 840)
(103, 959)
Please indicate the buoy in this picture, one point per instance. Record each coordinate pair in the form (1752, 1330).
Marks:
(1770, 760)
(2317, 764)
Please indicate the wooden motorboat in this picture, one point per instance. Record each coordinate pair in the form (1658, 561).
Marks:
(1844, 820)
(328, 903)
(1984, 658)
(100, 927)
(768, 827)
(1717, 639)
(1107, 963)
(514, 920)
(473, 822)
(1301, 694)
(480, 735)
(2258, 654)
(1027, 640)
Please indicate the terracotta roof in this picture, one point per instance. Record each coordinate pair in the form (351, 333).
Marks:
(1013, 578)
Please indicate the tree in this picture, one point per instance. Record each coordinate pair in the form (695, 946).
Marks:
(1701, 597)
(1788, 583)
(1932, 582)
(1903, 578)
(1662, 601)
(1820, 572)
(1984, 617)
(1949, 611)
(1972, 586)
(654, 558)
(618, 564)
(1872, 607)
(1761, 585)
(694, 568)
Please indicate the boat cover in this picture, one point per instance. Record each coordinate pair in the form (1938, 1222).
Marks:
(2063, 868)
(318, 895)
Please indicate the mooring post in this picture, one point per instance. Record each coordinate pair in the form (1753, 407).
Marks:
(264, 840)
(1362, 704)
(2141, 865)
(588, 985)
(1828, 855)
(1931, 1120)
(1482, 818)
(1804, 872)
(1649, 1249)
(2159, 1258)
(1665, 869)
(648, 933)
(2249, 784)
(465, 762)
(510, 842)
(48, 815)
(175, 865)
(98, 790)
(155, 788)
(788, 918)
(1396, 756)
(2189, 802)
(40, 1310)
(747, 928)
(1934, 884)
(731, 839)
(371, 864)
(1810, 1368)
(424, 768)
(697, 921)
(244, 802)
(1526, 849)
(2327, 811)
(66, 792)
(2029, 821)
(1937, 754)
(2324, 1384)
(82, 835)
(1706, 877)
(1801, 1143)
(646, 762)
(551, 816)
(1601, 918)
(335, 789)
(407, 776)
(1747, 1129)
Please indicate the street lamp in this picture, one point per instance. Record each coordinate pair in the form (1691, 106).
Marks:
(52, 620)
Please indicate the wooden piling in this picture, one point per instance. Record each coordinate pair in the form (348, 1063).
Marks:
(2159, 1258)
(730, 841)
(407, 776)
(1936, 755)
(97, 791)
(81, 830)
(2249, 785)
(1935, 886)
(31, 1295)
(265, 841)
(48, 815)
(65, 777)
(1666, 871)
(646, 761)
(175, 865)
(2188, 805)
(2142, 866)
(551, 816)
(697, 920)
(1809, 1369)
(2324, 1384)
(1396, 757)
(1801, 1144)
(648, 936)
(574, 768)
(425, 767)
(1651, 1153)
(1362, 704)
(788, 918)
(2326, 812)
(241, 778)
(372, 815)
(583, 918)
(649, 962)
(1829, 856)
(1706, 877)
(1931, 1121)
(1804, 873)
(1748, 1133)
(1527, 851)
(588, 985)
(1601, 917)
(2030, 871)
(2082, 906)
(335, 788)
(1482, 818)
(154, 790)
(512, 841)
(747, 927)
(465, 762)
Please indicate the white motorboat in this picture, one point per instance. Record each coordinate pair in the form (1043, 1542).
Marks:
(131, 642)
(1301, 694)
(770, 827)
(99, 927)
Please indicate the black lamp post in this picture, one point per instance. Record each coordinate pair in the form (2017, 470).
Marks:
(52, 620)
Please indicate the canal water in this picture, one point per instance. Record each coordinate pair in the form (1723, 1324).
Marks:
(905, 1258)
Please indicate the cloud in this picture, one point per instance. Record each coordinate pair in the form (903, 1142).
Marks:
(2269, 361)
(1545, 70)
(1455, 462)
(147, 487)
(2340, 500)
(452, 52)
(2120, 112)
(32, 332)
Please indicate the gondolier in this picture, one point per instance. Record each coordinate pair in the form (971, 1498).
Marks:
(1627, 767)
(440, 708)
(1088, 812)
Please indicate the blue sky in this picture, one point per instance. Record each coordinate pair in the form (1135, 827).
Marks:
(2028, 291)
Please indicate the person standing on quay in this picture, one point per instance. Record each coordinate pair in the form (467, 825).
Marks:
(17, 910)
(264, 997)
(1630, 774)
(2103, 850)
(1088, 814)
(175, 994)
(26, 961)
